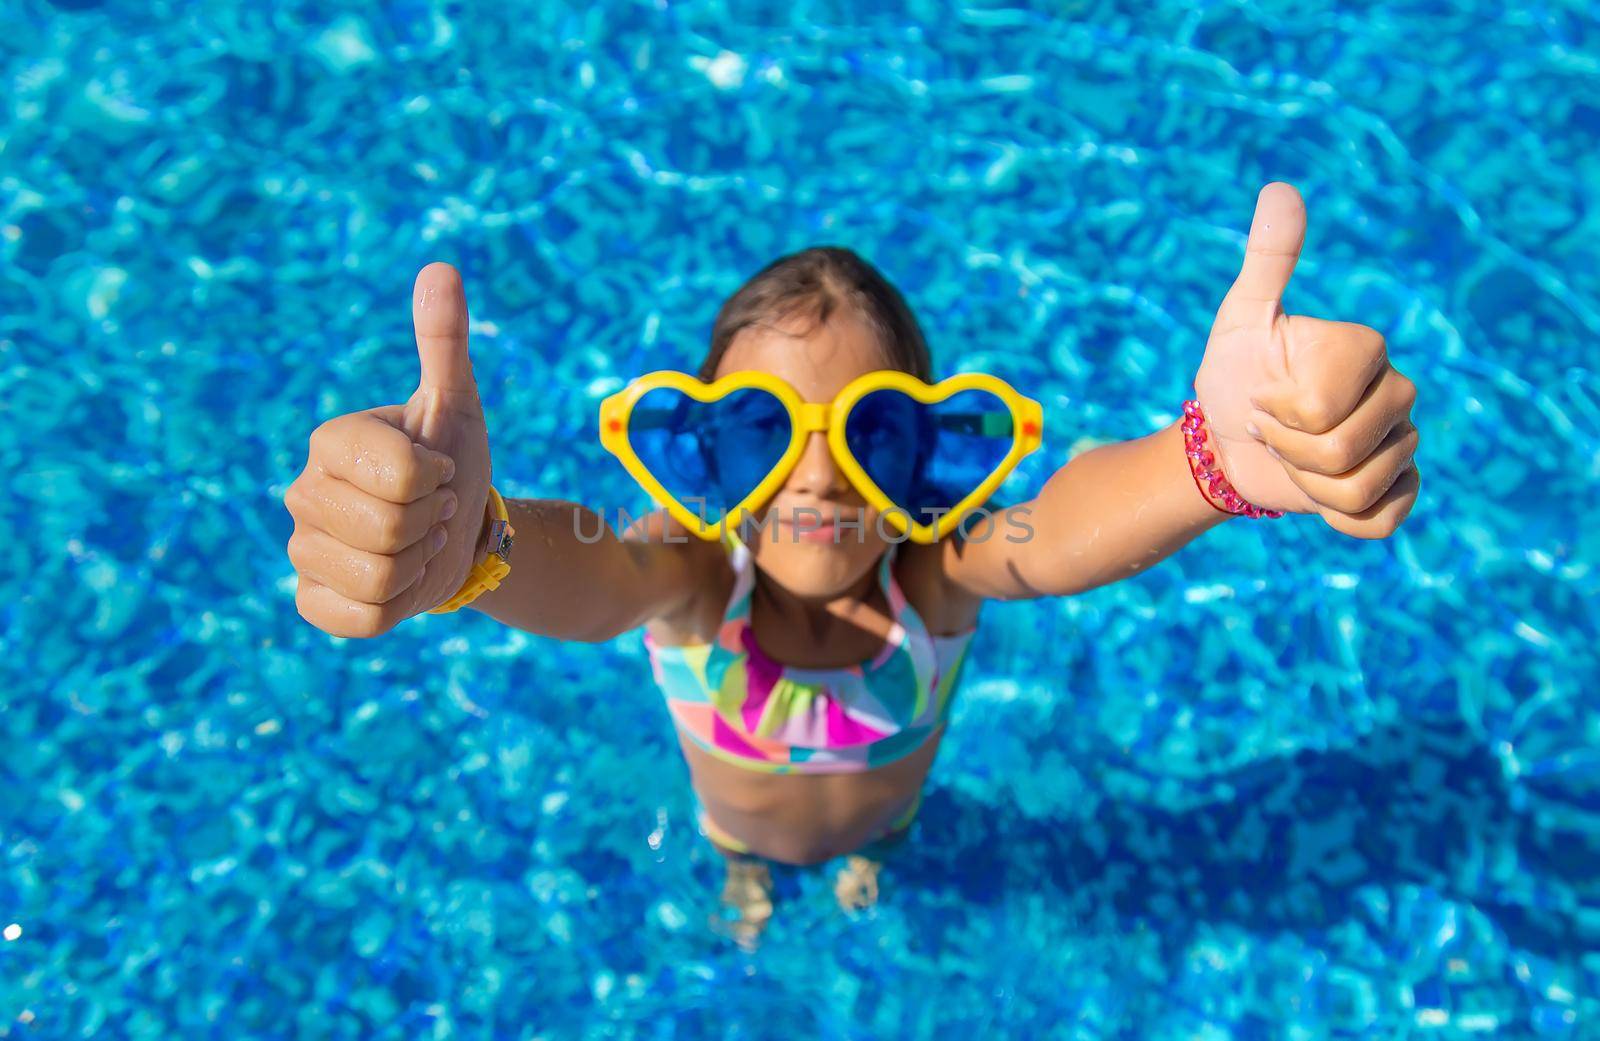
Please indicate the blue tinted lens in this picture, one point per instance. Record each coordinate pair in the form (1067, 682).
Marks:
(714, 452)
(750, 430)
(927, 457)
(971, 433)
(883, 432)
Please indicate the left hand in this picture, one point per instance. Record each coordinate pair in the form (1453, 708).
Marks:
(1335, 433)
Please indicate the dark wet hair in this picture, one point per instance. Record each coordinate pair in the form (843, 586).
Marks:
(815, 283)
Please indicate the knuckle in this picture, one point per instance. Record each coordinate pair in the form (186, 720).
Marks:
(1410, 441)
(1362, 494)
(1331, 497)
(1317, 413)
(1410, 481)
(364, 621)
(302, 601)
(1403, 496)
(410, 479)
(390, 529)
(1407, 391)
(301, 496)
(321, 441)
(1333, 454)
(1344, 497)
(308, 562)
(1376, 342)
(326, 610)
(383, 579)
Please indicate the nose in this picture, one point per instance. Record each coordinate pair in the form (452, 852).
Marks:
(816, 473)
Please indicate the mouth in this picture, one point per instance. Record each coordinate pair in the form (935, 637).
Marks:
(809, 527)
(823, 533)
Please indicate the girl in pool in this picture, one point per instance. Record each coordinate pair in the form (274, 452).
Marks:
(808, 619)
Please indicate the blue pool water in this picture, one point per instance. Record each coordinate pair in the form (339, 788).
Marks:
(1374, 814)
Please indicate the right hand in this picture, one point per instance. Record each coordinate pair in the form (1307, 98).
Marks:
(1308, 416)
(377, 484)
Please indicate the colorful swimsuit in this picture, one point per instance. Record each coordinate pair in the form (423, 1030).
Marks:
(744, 708)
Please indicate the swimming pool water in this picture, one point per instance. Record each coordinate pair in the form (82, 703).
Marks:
(1285, 785)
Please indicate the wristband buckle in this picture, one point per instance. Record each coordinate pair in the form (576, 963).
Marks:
(500, 539)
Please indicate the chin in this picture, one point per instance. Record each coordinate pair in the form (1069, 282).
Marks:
(817, 570)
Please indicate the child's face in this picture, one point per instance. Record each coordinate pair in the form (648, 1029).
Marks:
(817, 365)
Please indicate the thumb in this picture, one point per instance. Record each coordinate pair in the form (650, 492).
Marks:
(1276, 234)
(439, 314)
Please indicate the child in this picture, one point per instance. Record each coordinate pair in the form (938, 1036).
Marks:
(809, 669)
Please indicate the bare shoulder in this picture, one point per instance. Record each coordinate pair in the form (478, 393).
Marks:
(704, 566)
(921, 571)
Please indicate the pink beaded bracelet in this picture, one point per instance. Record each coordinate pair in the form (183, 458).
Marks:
(1205, 475)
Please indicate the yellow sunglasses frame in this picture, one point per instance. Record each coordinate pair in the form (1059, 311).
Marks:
(807, 418)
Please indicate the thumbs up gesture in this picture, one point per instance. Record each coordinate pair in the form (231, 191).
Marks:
(389, 510)
(1305, 415)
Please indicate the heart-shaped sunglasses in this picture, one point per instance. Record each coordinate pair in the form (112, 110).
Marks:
(915, 452)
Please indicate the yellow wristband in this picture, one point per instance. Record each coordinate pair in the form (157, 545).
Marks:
(487, 573)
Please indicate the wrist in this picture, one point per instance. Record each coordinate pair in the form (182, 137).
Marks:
(1199, 504)
(1215, 502)
(1205, 466)
(480, 548)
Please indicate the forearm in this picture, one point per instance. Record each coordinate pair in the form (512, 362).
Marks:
(1112, 512)
(587, 588)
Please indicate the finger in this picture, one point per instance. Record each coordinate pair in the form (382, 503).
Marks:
(370, 578)
(1381, 519)
(374, 455)
(1277, 232)
(338, 615)
(1364, 484)
(362, 521)
(1386, 402)
(439, 315)
(1331, 365)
